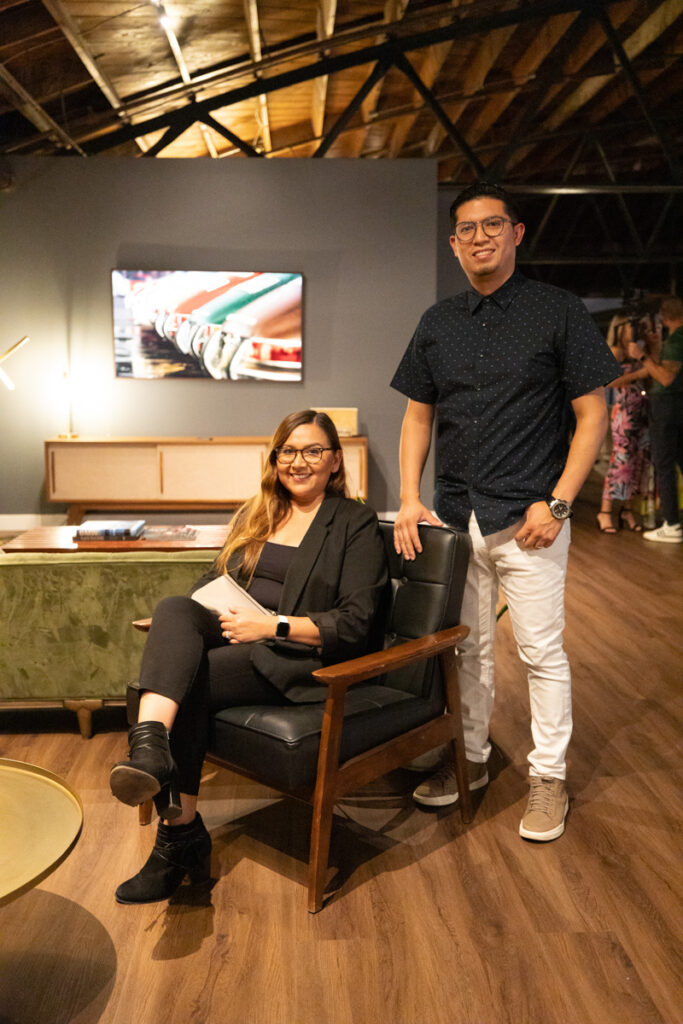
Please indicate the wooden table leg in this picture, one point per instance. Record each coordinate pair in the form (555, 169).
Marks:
(84, 709)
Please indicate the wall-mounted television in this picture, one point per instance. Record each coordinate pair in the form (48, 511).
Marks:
(220, 325)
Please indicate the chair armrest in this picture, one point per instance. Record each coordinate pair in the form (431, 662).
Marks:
(346, 673)
(143, 624)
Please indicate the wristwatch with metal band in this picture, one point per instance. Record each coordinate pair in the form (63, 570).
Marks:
(282, 628)
(559, 508)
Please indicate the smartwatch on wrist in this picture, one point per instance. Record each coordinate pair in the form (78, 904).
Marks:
(559, 508)
(282, 628)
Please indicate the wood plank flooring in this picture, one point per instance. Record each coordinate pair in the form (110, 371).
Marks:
(434, 923)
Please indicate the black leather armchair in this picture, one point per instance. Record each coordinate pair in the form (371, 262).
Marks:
(382, 710)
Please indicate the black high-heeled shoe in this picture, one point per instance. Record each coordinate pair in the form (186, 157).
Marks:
(179, 851)
(149, 772)
(610, 528)
(629, 521)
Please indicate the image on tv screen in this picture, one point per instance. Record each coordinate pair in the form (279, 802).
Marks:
(221, 325)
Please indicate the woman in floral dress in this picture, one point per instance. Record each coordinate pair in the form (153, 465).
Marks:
(630, 442)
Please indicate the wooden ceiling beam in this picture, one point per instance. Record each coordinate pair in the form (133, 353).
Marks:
(645, 35)
(378, 73)
(169, 136)
(211, 122)
(541, 49)
(483, 59)
(394, 11)
(592, 41)
(33, 112)
(444, 121)
(648, 32)
(464, 27)
(254, 33)
(430, 66)
(24, 23)
(527, 112)
(326, 12)
(72, 34)
(176, 50)
(560, 33)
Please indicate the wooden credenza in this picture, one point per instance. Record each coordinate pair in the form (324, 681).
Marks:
(169, 472)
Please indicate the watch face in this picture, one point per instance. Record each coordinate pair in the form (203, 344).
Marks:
(560, 509)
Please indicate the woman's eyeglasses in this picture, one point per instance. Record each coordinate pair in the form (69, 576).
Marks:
(491, 226)
(312, 454)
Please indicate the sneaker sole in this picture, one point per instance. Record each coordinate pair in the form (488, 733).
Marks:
(132, 786)
(544, 837)
(664, 540)
(446, 799)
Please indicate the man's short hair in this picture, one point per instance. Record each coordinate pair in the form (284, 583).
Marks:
(485, 189)
(672, 308)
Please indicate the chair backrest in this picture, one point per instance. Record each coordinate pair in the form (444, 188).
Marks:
(426, 597)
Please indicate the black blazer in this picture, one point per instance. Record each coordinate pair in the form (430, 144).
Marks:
(338, 577)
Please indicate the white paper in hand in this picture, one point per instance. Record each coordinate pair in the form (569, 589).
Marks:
(224, 593)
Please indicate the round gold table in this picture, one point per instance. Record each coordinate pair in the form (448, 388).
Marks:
(40, 821)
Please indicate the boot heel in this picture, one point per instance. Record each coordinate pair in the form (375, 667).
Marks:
(167, 801)
(200, 874)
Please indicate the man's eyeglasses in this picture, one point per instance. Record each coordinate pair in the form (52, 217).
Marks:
(491, 226)
(312, 454)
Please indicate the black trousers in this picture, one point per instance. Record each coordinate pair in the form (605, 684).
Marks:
(666, 437)
(187, 659)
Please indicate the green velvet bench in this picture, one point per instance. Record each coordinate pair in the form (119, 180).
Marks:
(65, 623)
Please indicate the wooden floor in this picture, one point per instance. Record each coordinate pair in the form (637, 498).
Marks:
(435, 923)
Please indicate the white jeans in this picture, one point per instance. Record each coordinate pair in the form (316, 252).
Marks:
(533, 585)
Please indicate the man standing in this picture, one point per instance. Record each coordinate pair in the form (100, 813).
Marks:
(503, 365)
(666, 418)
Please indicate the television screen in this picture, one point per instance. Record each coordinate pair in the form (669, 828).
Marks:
(222, 325)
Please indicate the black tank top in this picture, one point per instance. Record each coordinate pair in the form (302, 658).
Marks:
(269, 575)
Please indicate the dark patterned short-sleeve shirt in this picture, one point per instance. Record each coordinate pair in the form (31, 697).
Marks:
(502, 370)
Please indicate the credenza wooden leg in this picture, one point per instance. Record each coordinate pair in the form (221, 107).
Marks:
(84, 709)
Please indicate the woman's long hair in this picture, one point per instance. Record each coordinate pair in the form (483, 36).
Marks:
(258, 518)
(619, 334)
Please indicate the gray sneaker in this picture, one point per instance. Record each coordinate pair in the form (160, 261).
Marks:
(546, 810)
(441, 789)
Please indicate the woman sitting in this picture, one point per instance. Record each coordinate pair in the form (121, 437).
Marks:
(300, 547)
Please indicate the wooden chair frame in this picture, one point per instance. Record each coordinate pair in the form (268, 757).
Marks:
(334, 780)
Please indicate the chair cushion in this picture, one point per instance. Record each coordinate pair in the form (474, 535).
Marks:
(279, 745)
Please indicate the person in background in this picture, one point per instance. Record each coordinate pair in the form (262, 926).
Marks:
(666, 416)
(630, 438)
(503, 365)
(301, 547)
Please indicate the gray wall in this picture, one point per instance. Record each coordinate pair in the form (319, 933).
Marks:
(363, 233)
(450, 279)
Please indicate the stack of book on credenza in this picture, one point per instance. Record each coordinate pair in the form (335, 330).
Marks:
(110, 529)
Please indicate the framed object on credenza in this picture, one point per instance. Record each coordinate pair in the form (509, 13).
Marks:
(220, 325)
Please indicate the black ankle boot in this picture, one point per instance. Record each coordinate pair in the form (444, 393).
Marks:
(179, 850)
(150, 771)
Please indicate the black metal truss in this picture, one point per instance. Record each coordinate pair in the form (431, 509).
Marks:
(388, 52)
(629, 71)
(430, 99)
(376, 75)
